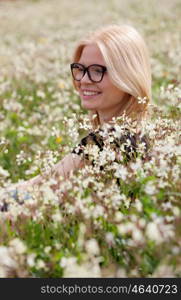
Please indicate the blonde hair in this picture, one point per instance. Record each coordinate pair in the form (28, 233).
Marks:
(127, 60)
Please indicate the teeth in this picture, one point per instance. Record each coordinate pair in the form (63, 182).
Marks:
(86, 93)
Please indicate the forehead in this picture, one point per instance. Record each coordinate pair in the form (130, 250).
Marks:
(91, 55)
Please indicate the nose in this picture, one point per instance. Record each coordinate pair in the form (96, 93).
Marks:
(85, 78)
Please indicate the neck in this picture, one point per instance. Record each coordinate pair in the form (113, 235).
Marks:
(106, 118)
(107, 115)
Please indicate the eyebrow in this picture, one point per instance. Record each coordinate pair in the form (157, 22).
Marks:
(86, 65)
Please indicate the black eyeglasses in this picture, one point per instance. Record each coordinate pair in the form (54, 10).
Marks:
(95, 72)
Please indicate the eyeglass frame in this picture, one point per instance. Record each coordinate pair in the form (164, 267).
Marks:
(86, 69)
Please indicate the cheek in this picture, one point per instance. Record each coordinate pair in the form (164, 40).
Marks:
(109, 88)
(117, 92)
(76, 85)
(114, 93)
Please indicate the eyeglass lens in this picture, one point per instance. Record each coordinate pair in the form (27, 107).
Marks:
(95, 72)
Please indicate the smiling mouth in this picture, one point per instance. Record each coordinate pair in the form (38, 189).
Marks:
(88, 94)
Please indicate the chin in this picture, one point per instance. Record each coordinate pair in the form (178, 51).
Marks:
(88, 105)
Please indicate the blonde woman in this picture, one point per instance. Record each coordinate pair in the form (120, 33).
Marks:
(110, 70)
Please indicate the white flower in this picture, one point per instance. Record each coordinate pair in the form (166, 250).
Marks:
(142, 100)
(2, 272)
(48, 194)
(3, 172)
(21, 158)
(31, 259)
(119, 130)
(137, 165)
(176, 211)
(163, 271)
(126, 228)
(142, 223)
(6, 259)
(12, 105)
(2, 141)
(18, 245)
(137, 235)
(92, 247)
(84, 270)
(92, 150)
(110, 238)
(40, 94)
(121, 172)
(94, 116)
(68, 261)
(98, 211)
(153, 232)
(40, 264)
(57, 217)
(47, 249)
(150, 188)
(138, 205)
(119, 216)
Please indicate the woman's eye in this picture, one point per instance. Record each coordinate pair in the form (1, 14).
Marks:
(97, 71)
(79, 69)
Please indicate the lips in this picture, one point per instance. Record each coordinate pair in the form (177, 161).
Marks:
(88, 94)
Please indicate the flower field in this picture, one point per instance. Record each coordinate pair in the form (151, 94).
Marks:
(124, 221)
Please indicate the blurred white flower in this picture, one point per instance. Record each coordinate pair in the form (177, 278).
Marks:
(98, 211)
(119, 216)
(4, 173)
(47, 249)
(150, 188)
(121, 172)
(18, 246)
(83, 270)
(121, 273)
(92, 247)
(125, 228)
(3, 272)
(40, 94)
(153, 232)
(40, 264)
(138, 205)
(142, 100)
(6, 259)
(137, 235)
(57, 217)
(163, 271)
(31, 259)
(109, 237)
